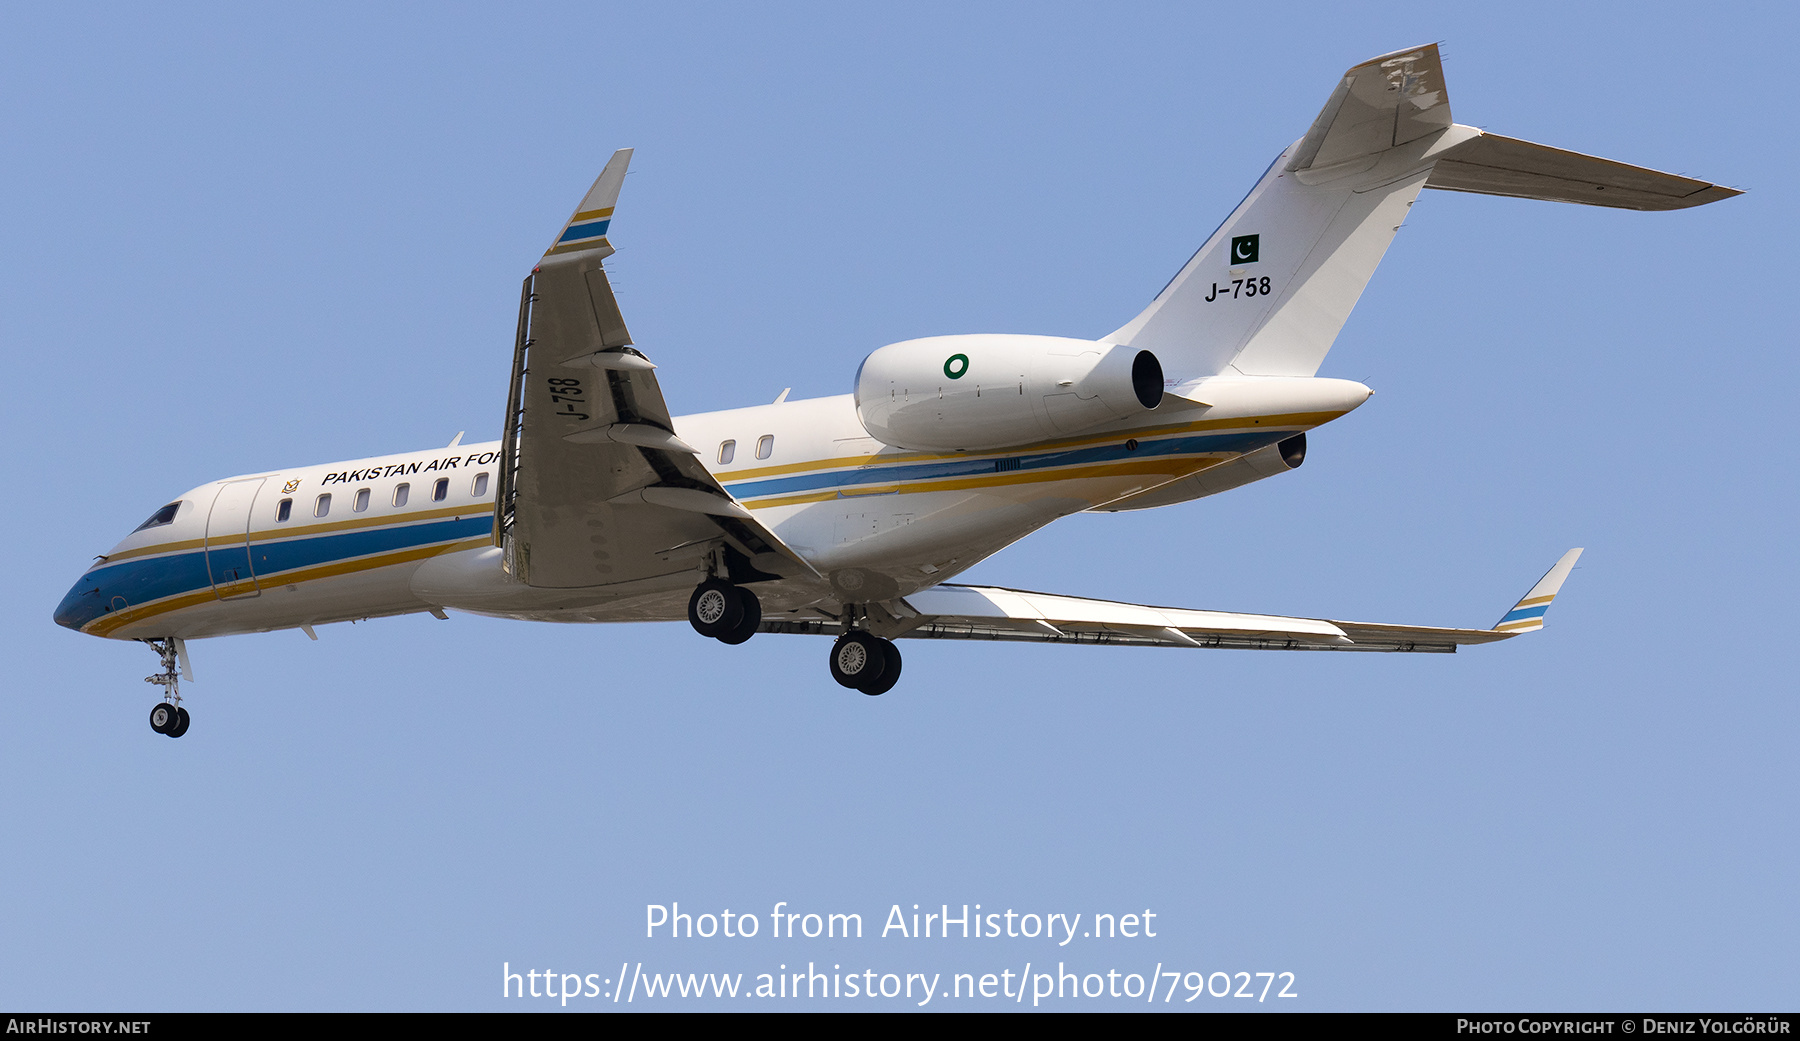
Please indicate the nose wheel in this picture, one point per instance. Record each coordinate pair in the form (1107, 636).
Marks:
(167, 717)
(863, 661)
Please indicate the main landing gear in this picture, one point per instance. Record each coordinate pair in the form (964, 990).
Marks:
(168, 717)
(730, 614)
(727, 613)
(863, 661)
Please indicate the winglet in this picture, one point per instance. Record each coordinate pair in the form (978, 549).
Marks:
(587, 228)
(1528, 614)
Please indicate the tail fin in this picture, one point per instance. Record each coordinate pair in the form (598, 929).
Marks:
(1270, 290)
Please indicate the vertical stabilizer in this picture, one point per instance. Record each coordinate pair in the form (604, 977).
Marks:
(1269, 291)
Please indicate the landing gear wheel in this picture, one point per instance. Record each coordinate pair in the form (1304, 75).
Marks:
(746, 627)
(715, 608)
(164, 717)
(857, 659)
(890, 674)
(181, 723)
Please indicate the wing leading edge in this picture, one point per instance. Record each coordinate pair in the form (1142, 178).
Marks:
(988, 613)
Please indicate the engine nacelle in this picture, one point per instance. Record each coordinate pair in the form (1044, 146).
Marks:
(986, 391)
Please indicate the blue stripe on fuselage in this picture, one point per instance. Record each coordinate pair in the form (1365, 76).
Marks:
(153, 578)
(877, 473)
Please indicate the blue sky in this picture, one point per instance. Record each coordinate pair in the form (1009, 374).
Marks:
(243, 238)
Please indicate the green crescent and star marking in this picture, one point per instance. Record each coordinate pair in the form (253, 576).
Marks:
(1245, 249)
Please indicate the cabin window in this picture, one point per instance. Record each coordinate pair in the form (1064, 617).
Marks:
(479, 488)
(166, 515)
(361, 502)
(727, 450)
(284, 511)
(441, 490)
(322, 505)
(400, 491)
(765, 446)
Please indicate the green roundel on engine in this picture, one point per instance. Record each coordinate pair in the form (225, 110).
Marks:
(956, 365)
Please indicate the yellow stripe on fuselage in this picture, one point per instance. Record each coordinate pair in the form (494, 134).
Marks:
(847, 462)
(1167, 466)
(109, 623)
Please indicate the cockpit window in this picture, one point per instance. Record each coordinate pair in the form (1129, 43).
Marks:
(166, 515)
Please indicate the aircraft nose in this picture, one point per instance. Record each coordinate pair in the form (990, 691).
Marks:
(85, 602)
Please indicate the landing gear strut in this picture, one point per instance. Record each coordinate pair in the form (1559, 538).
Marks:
(727, 613)
(863, 661)
(168, 717)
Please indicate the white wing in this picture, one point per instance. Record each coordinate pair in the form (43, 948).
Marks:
(989, 613)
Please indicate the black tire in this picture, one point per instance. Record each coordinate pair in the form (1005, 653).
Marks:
(181, 723)
(857, 659)
(890, 673)
(163, 717)
(715, 608)
(746, 627)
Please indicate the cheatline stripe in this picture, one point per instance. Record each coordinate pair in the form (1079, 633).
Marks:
(1288, 423)
(1242, 442)
(141, 582)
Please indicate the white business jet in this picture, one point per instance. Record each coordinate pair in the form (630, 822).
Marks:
(844, 516)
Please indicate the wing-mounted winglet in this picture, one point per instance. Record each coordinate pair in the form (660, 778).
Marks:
(1528, 614)
(587, 228)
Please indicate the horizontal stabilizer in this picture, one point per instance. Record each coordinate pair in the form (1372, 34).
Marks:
(1493, 165)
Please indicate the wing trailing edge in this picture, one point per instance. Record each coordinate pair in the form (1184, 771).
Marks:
(992, 613)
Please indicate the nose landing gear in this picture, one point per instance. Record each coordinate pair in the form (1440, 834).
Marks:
(168, 717)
